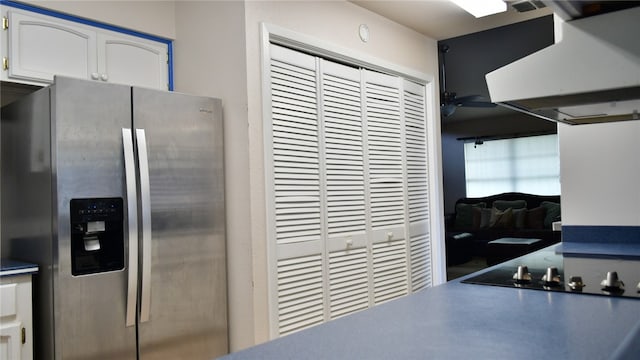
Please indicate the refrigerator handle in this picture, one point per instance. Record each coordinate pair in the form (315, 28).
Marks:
(132, 219)
(145, 198)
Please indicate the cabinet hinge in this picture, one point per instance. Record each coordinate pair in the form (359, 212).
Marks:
(5, 63)
(24, 335)
(5, 23)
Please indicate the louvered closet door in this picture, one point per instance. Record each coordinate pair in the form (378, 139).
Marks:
(345, 189)
(297, 191)
(417, 184)
(348, 181)
(386, 185)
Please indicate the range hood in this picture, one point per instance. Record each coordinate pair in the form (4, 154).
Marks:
(590, 75)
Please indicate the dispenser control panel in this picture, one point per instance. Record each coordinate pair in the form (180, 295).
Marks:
(97, 235)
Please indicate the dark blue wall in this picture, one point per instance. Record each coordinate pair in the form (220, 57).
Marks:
(470, 57)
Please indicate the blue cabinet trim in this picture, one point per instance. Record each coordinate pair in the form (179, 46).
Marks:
(600, 234)
(9, 267)
(601, 240)
(101, 25)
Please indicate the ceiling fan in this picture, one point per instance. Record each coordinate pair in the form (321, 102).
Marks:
(449, 101)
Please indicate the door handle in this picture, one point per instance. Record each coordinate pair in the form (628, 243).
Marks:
(132, 219)
(145, 206)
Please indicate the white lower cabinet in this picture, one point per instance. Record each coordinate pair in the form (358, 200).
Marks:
(35, 47)
(16, 329)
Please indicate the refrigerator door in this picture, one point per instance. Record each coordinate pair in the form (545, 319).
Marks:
(90, 234)
(183, 294)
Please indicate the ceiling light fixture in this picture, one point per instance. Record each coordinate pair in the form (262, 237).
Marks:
(480, 8)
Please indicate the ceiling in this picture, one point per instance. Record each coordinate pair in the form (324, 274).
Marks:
(442, 19)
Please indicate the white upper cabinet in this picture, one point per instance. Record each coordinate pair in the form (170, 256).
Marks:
(128, 60)
(36, 47)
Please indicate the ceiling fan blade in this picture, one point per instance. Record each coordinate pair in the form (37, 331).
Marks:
(474, 101)
(478, 104)
(447, 110)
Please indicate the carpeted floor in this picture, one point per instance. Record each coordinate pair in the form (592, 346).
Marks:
(475, 264)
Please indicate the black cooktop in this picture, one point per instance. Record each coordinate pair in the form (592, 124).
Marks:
(549, 270)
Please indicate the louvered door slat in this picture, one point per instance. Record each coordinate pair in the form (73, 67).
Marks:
(285, 75)
(417, 185)
(300, 99)
(285, 116)
(295, 147)
(345, 187)
(384, 149)
(389, 270)
(338, 126)
(414, 106)
(348, 282)
(300, 293)
(420, 262)
(343, 146)
(296, 185)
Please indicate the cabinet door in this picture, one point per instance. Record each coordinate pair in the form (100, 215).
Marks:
(133, 61)
(11, 341)
(39, 48)
(15, 313)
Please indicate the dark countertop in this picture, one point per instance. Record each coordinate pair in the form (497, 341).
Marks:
(468, 321)
(9, 267)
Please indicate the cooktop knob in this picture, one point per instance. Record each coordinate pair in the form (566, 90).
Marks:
(522, 275)
(612, 283)
(551, 277)
(575, 283)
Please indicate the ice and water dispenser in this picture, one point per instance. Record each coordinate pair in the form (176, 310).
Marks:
(97, 235)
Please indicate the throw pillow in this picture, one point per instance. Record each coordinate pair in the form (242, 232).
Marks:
(505, 204)
(553, 213)
(485, 218)
(464, 215)
(501, 219)
(477, 216)
(535, 218)
(519, 216)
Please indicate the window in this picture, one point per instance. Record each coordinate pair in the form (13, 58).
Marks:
(527, 164)
(348, 215)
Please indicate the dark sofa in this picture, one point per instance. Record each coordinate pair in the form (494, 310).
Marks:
(476, 221)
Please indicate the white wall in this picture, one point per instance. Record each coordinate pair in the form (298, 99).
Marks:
(335, 22)
(599, 170)
(155, 17)
(600, 174)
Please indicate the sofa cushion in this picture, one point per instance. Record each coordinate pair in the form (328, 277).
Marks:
(520, 217)
(553, 213)
(535, 218)
(513, 204)
(501, 219)
(464, 215)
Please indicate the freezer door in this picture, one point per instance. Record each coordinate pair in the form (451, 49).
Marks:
(90, 247)
(183, 302)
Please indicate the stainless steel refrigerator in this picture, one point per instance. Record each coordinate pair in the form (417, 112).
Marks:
(117, 194)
